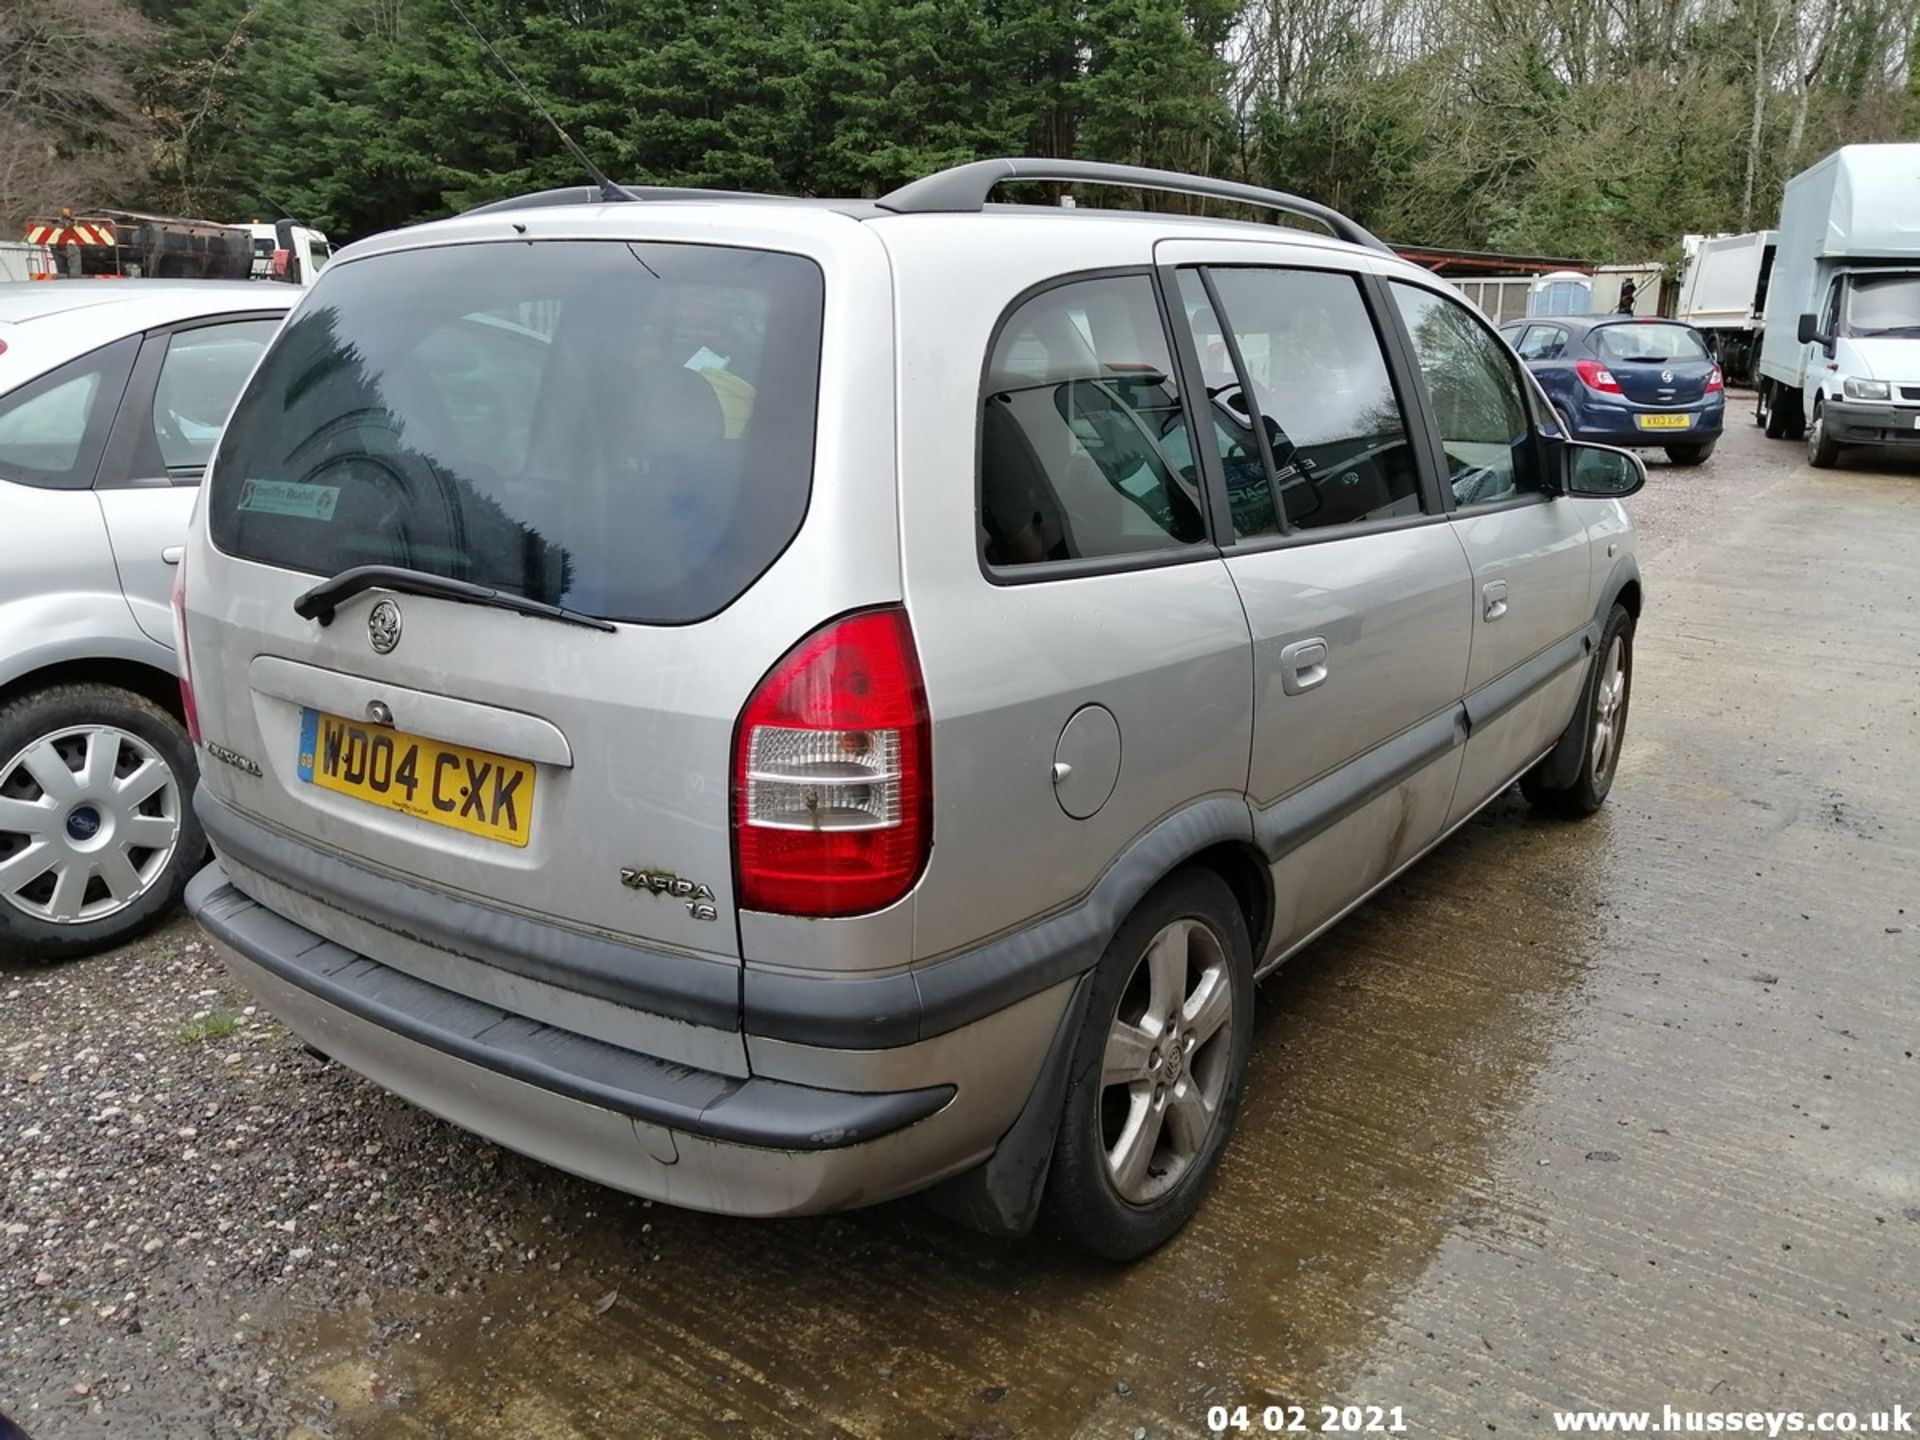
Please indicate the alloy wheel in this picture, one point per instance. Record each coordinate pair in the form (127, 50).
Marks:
(1167, 1062)
(1609, 702)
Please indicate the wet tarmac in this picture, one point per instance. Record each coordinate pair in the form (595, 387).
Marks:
(1611, 1114)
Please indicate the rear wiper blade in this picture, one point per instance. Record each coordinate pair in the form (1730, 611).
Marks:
(324, 599)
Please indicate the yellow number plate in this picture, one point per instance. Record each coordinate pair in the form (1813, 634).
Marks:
(471, 790)
(1664, 422)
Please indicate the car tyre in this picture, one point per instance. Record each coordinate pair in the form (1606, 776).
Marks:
(115, 836)
(1603, 728)
(1690, 454)
(1782, 420)
(1157, 1070)
(1822, 452)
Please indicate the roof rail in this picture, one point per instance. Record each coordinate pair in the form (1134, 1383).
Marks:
(593, 195)
(965, 188)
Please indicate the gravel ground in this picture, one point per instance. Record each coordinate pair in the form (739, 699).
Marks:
(182, 1186)
(182, 1181)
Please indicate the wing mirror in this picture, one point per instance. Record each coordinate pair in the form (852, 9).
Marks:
(283, 239)
(1602, 471)
(1809, 333)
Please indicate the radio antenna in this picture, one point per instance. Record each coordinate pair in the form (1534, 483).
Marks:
(608, 190)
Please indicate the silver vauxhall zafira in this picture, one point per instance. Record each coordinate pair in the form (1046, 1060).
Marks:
(775, 705)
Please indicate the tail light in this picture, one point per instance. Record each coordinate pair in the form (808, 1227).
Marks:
(832, 773)
(1715, 381)
(1597, 376)
(187, 707)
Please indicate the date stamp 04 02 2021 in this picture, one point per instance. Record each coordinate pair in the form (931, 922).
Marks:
(1302, 1419)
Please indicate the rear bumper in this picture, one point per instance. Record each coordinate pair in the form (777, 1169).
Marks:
(792, 1005)
(1608, 423)
(706, 1141)
(1853, 422)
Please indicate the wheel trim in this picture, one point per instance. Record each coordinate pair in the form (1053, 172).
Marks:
(1609, 708)
(1165, 1068)
(89, 820)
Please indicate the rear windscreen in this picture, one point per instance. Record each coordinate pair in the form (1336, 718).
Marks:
(624, 429)
(1638, 340)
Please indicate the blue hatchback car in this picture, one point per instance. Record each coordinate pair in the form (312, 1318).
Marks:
(1624, 381)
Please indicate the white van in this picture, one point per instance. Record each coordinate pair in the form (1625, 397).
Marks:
(1840, 360)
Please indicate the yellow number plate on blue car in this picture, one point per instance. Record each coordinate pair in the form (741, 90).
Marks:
(472, 790)
(1664, 422)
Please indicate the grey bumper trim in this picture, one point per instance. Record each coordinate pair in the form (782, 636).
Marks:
(831, 1009)
(766, 1114)
(879, 1012)
(1871, 422)
(664, 982)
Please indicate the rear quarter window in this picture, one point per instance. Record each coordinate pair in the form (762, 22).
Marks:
(624, 429)
(53, 428)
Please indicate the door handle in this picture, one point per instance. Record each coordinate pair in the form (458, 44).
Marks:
(1493, 597)
(173, 553)
(1303, 665)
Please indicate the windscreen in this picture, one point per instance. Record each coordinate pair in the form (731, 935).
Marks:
(1637, 340)
(1883, 305)
(623, 429)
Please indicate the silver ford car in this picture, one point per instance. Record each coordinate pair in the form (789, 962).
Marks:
(111, 397)
(775, 705)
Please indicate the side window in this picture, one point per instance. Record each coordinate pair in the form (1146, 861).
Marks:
(1084, 446)
(199, 380)
(1476, 398)
(1311, 372)
(1830, 316)
(52, 429)
(1543, 342)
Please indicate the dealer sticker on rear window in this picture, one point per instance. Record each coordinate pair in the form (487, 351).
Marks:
(285, 497)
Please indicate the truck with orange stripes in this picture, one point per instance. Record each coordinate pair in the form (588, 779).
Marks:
(102, 244)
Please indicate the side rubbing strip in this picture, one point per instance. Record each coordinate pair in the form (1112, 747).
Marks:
(1503, 692)
(1296, 818)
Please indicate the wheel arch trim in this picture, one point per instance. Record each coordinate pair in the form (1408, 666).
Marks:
(941, 995)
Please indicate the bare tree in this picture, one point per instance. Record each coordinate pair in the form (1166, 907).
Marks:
(1766, 34)
(1816, 46)
(71, 131)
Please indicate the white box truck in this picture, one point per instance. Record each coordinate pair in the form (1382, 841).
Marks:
(1840, 355)
(1723, 293)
